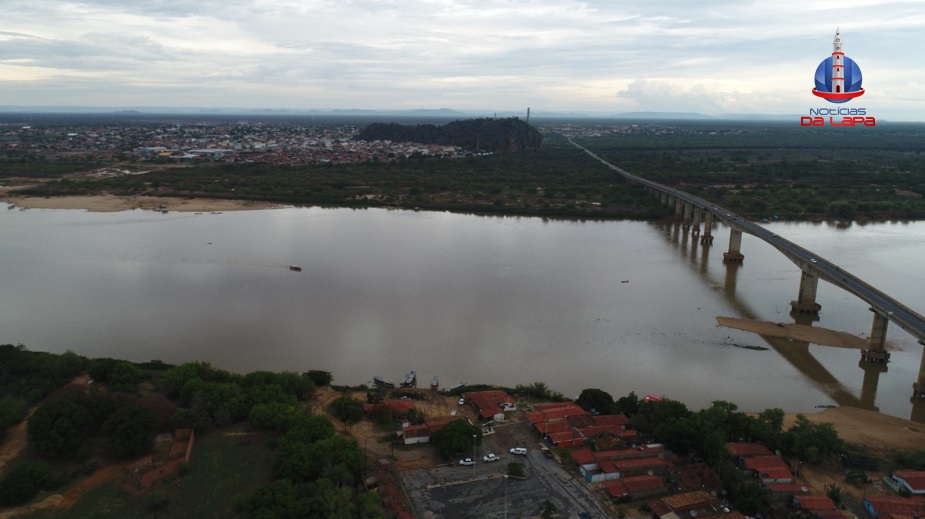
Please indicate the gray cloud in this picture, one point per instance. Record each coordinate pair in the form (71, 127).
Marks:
(489, 54)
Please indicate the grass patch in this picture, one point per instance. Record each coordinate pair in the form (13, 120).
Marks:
(222, 468)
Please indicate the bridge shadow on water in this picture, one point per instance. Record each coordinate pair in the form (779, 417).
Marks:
(793, 351)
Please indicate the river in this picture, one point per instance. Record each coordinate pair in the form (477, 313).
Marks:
(617, 305)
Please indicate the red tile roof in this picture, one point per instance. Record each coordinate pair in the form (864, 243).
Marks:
(611, 419)
(747, 449)
(487, 403)
(583, 456)
(689, 500)
(641, 463)
(616, 488)
(815, 503)
(896, 505)
(764, 462)
(643, 483)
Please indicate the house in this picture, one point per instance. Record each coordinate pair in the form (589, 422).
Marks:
(813, 503)
(894, 507)
(616, 464)
(784, 492)
(739, 450)
(490, 405)
(412, 434)
(686, 504)
(636, 487)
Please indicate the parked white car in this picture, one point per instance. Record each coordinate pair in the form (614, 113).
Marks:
(490, 457)
(520, 451)
(467, 462)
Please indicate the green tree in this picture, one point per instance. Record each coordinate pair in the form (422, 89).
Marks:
(59, 428)
(130, 430)
(274, 416)
(812, 442)
(22, 482)
(278, 500)
(750, 498)
(347, 409)
(456, 437)
(596, 400)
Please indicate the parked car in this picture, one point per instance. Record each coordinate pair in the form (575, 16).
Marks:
(520, 451)
(490, 457)
(462, 401)
(467, 462)
(546, 452)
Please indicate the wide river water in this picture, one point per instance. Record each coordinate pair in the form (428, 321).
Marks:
(617, 305)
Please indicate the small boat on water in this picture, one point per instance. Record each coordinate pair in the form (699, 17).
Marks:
(295, 268)
(379, 381)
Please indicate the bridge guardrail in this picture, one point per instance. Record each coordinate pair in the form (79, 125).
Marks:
(919, 332)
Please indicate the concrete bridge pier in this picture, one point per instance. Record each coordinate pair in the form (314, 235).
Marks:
(869, 385)
(707, 237)
(688, 210)
(877, 341)
(695, 230)
(806, 300)
(678, 208)
(918, 388)
(734, 254)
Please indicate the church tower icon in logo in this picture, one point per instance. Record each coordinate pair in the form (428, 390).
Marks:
(838, 78)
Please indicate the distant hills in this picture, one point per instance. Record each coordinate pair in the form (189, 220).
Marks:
(441, 113)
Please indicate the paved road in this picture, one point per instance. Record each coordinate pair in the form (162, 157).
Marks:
(482, 491)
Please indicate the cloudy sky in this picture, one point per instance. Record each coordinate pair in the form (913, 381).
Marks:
(602, 56)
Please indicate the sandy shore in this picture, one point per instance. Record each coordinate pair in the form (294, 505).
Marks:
(799, 332)
(109, 203)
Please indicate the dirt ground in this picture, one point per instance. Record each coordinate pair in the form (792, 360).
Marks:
(376, 441)
(880, 434)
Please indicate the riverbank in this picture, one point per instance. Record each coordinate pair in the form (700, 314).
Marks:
(111, 203)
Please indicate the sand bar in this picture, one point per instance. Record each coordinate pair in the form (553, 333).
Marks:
(110, 203)
(799, 332)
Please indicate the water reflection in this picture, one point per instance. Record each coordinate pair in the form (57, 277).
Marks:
(795, 352)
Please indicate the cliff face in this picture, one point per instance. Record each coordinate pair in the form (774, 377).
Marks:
(485, 135)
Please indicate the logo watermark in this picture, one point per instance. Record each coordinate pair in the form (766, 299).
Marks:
(838, 80)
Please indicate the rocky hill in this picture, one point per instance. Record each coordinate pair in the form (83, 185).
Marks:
(478, 135)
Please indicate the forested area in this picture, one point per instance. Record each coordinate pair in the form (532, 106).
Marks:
(770, 171)
(76, 428)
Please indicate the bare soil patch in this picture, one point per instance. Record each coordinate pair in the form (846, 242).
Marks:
(880, 435)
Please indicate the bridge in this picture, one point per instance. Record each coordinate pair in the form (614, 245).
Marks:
(694, 210)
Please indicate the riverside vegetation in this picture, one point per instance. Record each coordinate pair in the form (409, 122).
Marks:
(298, 466)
